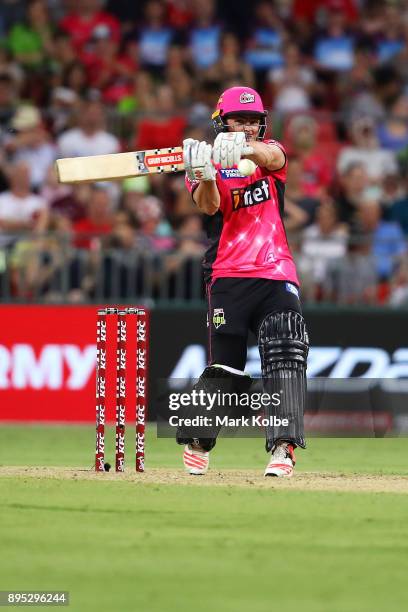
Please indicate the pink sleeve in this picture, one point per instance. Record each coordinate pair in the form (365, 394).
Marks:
(281, 173)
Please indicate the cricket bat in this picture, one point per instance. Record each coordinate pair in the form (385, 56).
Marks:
(119, 165)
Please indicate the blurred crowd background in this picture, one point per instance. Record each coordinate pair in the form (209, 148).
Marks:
(86, 77)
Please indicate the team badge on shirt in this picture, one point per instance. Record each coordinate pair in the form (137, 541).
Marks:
(218, 317)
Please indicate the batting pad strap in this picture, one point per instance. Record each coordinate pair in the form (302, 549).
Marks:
(229, 369)
(283, 341)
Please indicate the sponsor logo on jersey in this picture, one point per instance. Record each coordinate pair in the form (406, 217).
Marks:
(218, 317)
(292, 289)
(246, 98)
(231, 173)
(254, 194)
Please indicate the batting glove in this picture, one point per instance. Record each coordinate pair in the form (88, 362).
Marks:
(229, 148)
(198, 160)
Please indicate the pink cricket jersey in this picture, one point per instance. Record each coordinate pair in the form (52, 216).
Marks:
(247, 235)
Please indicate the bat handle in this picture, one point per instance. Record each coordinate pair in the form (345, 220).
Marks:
(247, 151)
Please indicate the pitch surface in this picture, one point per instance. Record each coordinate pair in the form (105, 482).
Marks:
(333, 539)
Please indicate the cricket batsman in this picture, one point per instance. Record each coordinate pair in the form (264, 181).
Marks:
(249, 272)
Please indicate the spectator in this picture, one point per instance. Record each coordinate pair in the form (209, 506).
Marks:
(365, 149)
(90, 137)
(123, 235)
(394, 189)
(297, 195)
(154, 38)
(31, 144)
(75, 79)
(392, 134)
(352, 182)
(400, 61)
(52, 189)
(84, 19)
(141, 96)
(316, 172)
(7, 101)
(206, 96)
(292, 83)
(352, 279)
(177, 59)
(155, 233)
(10, 67)
(64, 53)
(265, 45)
(97, 222)
(398, 213)
(399, 286)
(119, 268)
(38, 264)
(178, 76)
(183, 263)
(20, 209)
(387, 84)
(134, 189)
(205, 35)
(371, 23)
(391, 41)
(231, 68)
(31, 41)
(108, 71)
(61, 109)
(128, 12)
(11, 12)
(322, 242)
(72, 205)
(359, 95)
(308, 11)
(179, 14)
(166, 128)
(334, 49)
(190, 236)
(386, 237)
(357, 84)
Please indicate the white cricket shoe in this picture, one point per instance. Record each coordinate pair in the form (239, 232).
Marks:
(195, 461)
(282, 461)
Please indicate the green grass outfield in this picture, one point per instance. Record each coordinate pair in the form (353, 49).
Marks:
(122, 545)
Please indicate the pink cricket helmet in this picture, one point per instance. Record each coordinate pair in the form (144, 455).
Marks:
(239, 101)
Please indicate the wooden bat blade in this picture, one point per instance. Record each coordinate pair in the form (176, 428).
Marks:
(118, 166)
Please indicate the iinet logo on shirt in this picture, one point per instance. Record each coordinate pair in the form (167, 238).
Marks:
(254, 194)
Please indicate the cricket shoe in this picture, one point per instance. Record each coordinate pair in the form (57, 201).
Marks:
(195, 461)
(282, 461)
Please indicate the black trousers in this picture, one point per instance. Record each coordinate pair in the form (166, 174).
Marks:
(237, 306)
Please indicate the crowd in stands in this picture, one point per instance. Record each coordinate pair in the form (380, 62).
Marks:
(86, 77)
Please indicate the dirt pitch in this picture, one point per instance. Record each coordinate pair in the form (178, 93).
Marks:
(306, 481)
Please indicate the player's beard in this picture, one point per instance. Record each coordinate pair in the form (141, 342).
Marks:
(252, 137)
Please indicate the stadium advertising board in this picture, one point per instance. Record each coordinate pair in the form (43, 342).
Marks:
(47, 355)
